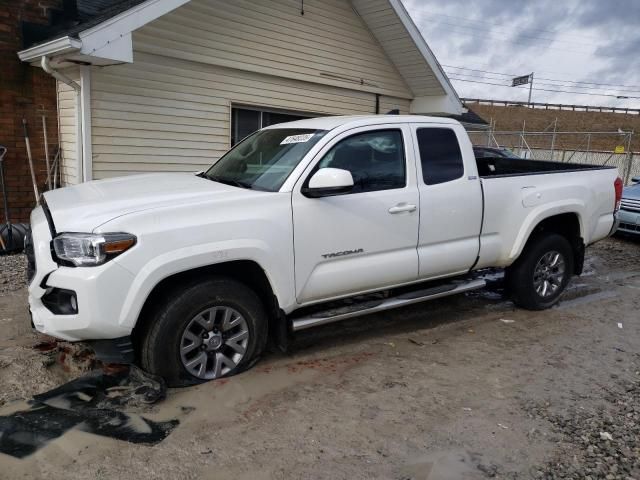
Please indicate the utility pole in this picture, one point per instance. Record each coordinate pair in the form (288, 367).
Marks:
(530, 86)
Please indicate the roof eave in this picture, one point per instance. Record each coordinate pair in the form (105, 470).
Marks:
(426, 52)
(58, 46)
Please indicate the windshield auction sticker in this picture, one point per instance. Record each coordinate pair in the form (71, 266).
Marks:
(297, 139)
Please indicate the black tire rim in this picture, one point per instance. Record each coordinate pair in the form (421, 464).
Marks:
(549, 274)
(214, 342)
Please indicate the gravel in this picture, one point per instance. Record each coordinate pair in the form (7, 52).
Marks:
(13, 273)
(601, 443)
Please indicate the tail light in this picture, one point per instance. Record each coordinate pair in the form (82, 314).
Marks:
(618, 185)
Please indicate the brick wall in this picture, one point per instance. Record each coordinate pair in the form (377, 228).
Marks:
(25, 92)
(538, 120)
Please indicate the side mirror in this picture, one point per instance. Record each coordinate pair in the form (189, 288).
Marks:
(327, 182)
(635, 179)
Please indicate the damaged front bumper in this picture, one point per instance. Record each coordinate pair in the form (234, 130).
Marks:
(74, 304)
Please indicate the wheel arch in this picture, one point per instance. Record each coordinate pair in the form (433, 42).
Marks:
(248, 272)
(567, 224)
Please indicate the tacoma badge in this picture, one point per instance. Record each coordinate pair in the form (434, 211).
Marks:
(341, 254)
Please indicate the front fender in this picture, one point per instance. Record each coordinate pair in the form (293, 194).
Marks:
(189, 258)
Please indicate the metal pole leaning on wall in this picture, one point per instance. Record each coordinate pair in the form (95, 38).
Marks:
(30, 158)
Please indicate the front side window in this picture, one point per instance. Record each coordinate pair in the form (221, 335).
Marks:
(264, 160)
(375, 159)
(440, 155)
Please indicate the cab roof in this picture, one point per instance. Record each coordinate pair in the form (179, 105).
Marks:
(329, 123)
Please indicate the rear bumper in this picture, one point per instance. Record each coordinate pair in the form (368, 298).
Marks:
(98, 290)
(616, 224)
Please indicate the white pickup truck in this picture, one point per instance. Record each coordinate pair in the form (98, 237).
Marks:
(303, 224)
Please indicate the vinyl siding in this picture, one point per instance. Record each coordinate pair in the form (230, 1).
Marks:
(330, 44)
(67, 121)
(396, 42)
(167, 114)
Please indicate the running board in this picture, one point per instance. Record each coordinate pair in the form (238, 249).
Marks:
(335, 315)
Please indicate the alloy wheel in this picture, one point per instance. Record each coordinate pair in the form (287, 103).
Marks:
(214, 342)
(549, 274)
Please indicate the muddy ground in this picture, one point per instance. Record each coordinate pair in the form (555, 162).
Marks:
(460, 388)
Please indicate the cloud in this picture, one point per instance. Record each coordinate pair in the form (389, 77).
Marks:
(583, 40)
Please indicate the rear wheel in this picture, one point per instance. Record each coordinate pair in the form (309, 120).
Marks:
(542, 272)
(207, 330)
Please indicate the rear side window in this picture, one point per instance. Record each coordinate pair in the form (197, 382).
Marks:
(440, 155)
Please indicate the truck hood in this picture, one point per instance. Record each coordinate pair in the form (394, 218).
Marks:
(84, 207)
(632, 192)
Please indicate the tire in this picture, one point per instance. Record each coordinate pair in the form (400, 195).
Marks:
(214, 328)
(526, 278)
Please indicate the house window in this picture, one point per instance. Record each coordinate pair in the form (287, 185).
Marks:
(245, 121)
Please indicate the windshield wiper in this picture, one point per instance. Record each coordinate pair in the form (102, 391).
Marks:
(228, 181)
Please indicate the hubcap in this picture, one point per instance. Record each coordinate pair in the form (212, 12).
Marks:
(214, 342)
(549, 274)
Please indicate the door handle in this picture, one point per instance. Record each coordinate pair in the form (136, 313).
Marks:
(402, 207)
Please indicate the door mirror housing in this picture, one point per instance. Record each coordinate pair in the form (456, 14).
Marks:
(327, 182)
(635, 179)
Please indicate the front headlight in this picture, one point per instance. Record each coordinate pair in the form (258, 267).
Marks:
(89, 250)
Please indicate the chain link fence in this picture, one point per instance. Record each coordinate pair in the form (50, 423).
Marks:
(593, 148)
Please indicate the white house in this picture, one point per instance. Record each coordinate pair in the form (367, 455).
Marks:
(169, 85)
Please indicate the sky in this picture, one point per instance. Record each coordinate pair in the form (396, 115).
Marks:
(578, 46)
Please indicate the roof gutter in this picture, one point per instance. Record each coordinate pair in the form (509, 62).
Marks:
(54, 47)
(46, 66)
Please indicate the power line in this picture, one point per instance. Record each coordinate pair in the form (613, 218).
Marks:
(550, 84)
(549, 79)
(544, 89)
(483, 71)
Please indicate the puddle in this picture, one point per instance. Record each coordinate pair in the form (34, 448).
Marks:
(587, 297)
(448, 465)
(92, 404)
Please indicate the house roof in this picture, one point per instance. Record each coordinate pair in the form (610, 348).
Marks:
(70, 21)
(470, 117)
(94, 12)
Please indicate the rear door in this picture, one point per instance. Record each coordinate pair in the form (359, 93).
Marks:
(451, 204)
(365, 239)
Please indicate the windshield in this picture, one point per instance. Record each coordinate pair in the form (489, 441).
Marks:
(264, 160)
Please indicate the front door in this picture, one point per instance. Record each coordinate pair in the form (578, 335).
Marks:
(450, 201)
(366, 239)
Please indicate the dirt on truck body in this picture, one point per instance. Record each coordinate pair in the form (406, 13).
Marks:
(465, 387)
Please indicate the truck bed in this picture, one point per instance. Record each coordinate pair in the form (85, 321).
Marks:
(509, 167)
(518, 194)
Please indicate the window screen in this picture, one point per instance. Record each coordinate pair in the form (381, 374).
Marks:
(440, 155)
(375, 160)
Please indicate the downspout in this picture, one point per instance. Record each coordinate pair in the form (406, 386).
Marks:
(44, 63)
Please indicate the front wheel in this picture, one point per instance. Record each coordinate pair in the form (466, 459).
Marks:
(542, 272)
(207, 330)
